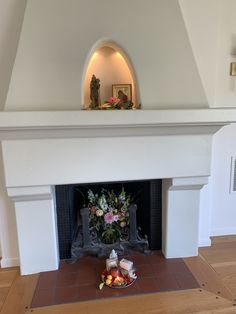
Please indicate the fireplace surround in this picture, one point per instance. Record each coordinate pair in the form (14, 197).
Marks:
(76, 147)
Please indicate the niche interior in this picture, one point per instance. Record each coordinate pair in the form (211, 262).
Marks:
(111, 65)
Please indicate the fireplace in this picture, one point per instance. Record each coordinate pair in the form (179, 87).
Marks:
(145, 194)
(47, 140)
(61, 148)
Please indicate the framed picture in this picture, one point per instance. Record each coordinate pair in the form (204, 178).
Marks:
(125, 88)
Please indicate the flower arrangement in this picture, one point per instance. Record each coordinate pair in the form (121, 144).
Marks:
(117, 103)
(108, 214)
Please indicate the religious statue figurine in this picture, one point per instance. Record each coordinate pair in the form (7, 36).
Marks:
(95, 93)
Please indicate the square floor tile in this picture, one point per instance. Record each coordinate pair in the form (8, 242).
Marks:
(66, 295)
(47, 280)
(66, 279)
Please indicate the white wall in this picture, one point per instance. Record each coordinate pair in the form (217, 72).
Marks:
(226, 84)
(57, 36)
(8, 234)
(211, 27)
(223, 208)
(202, 21)
(11, 16)
(223, 215)
(205, 216)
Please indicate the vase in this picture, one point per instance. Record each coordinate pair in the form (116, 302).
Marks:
(110, 235)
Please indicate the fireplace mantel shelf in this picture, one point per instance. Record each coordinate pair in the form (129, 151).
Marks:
(37, 124)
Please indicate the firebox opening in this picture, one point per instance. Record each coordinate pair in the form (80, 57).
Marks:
(146, 195)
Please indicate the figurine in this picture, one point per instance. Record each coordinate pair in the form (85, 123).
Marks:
(95, 93)
(113, 255)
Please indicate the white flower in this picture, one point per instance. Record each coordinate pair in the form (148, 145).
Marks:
(91, 196)
(99, 212)
(103, 203)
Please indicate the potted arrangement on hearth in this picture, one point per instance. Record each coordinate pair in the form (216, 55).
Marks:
(108, 214)
(107, 221)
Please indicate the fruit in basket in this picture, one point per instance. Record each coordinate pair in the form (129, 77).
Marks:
(109, 277)
(114, 272)
(101, 285)
(108, 281)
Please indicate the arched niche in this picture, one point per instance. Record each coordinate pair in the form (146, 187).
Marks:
(111, 65)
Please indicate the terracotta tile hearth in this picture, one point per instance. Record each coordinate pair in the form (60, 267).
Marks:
(79, 281)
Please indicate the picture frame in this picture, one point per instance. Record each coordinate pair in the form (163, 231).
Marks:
(125, 88)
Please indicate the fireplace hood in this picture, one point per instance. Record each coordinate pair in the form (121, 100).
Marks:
(58, 39)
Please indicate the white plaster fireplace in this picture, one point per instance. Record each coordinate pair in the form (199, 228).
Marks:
(43, 149)
(48, 140)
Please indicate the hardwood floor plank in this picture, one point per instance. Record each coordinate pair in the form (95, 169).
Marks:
(228, 276)
(228, 265)
(181, 302)
(20, 294)
(223, 239)
(222, 258)
(7, 277)
(207, 277)
(3, 295)
(230, 310)
(219, 255)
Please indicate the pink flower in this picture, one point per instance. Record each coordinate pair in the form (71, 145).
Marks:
(113, 100)
(109, 218)
(116, 217)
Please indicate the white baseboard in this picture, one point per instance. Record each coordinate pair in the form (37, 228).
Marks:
(204, 242)
(9, 262)
(223, 232)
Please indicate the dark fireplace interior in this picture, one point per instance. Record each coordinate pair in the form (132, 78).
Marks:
(146, 195)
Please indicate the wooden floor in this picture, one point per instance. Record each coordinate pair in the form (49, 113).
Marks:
(214, 268)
